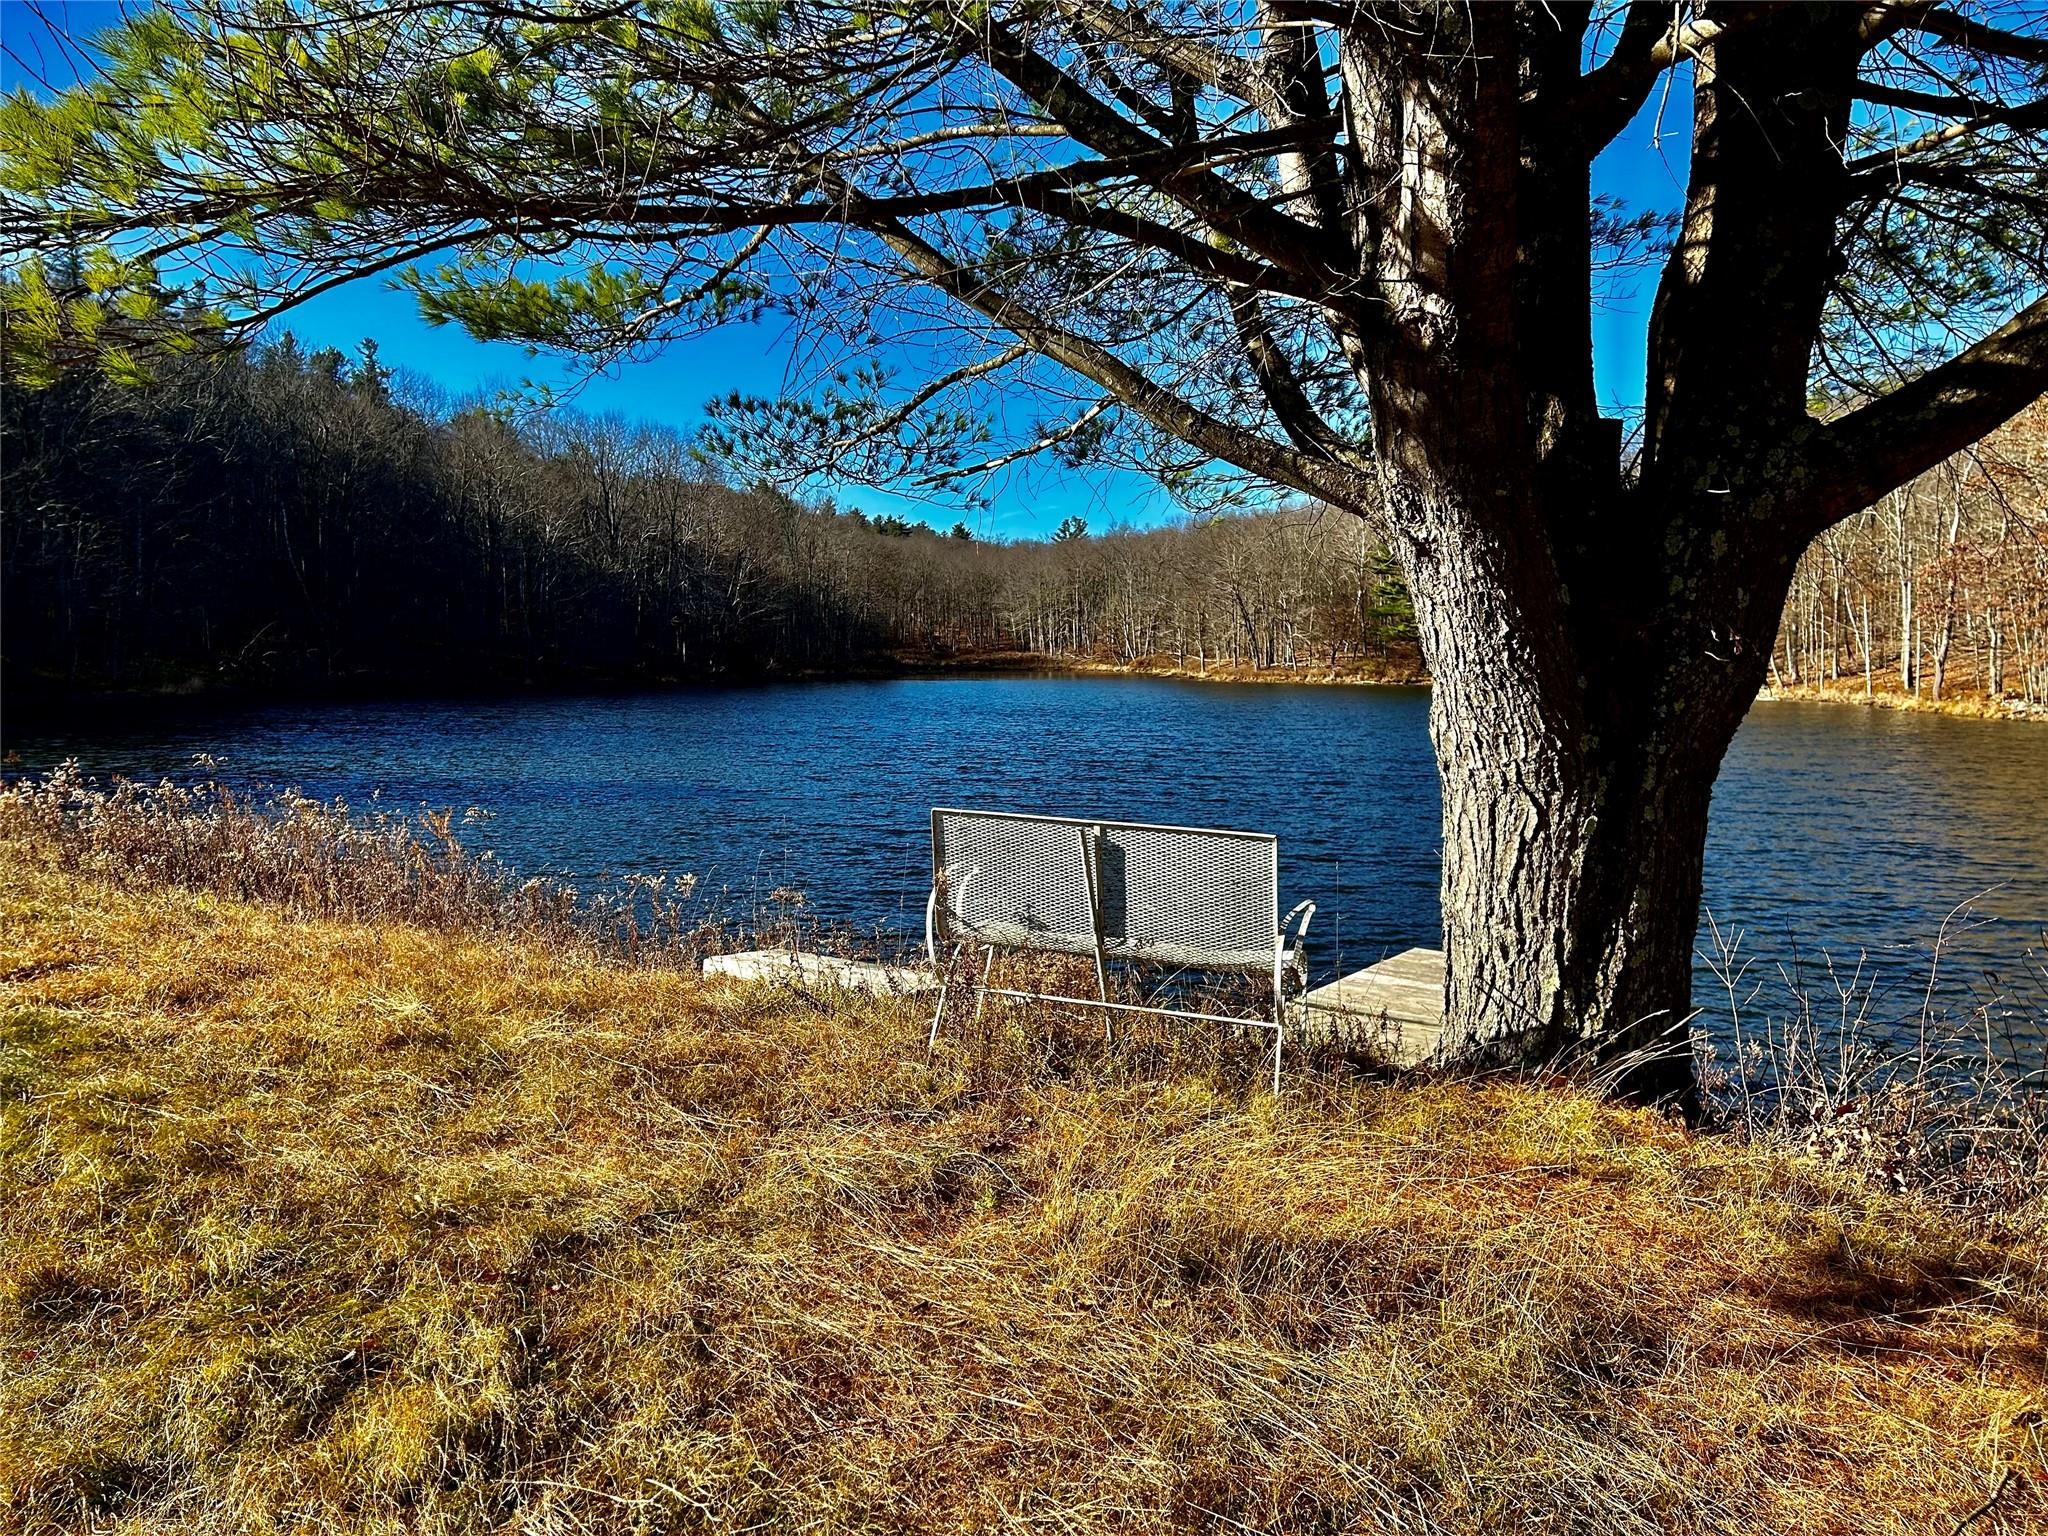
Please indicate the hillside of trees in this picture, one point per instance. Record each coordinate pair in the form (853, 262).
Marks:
(290, 519)
(287, 519)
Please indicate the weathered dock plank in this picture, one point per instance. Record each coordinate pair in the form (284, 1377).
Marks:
(1393, 1010)
(782, 965)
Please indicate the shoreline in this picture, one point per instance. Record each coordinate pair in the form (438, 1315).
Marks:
(1037, 664)
(1970, 707)
(36, 706)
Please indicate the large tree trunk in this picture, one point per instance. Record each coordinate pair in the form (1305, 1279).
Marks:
(1595, 637)
(1578, 743)
(1571, 886)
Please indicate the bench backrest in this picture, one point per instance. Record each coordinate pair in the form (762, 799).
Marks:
(1200, 897)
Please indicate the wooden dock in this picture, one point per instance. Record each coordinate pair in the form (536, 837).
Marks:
(1393, 1010)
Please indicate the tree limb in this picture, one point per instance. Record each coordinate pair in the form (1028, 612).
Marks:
(1974, 35)
(1186, 55)
(1049, 439)
(1227, 208)
(1960, 179)
(1857, 458)
(1926, 103)
(2025, 115)
(1292, 408)
(893, 420)
(1298, 95)
(1248, 450)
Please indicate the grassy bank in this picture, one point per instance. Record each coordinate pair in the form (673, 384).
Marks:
(385, 1225)
(1407, 671)
(1405, 674)
(1403, 671)
(1969, 706)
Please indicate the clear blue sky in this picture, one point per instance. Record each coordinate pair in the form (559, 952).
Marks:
(1644, 168)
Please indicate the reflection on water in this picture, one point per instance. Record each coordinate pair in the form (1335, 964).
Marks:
(1836, 830)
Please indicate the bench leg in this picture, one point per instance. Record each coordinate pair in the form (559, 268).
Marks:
(931, 1041)
(1090, 836)
(988, 964)
(1102, 991)
(1279, 1035)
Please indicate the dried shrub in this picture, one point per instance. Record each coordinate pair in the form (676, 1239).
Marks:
(1949, 1102)
(326, 858)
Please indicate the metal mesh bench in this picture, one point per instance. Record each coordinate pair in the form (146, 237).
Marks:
(1192, 898)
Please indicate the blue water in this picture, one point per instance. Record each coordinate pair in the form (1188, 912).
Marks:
(1837, 831)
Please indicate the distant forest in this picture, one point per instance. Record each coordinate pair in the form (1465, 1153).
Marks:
(1940, 591)
(287, 519)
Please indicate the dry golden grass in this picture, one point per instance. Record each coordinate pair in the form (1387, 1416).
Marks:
(1405, 671)
(375, 1227)
(1966, 705)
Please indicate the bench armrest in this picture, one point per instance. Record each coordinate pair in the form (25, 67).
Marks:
(932, 937)
(1292, 945)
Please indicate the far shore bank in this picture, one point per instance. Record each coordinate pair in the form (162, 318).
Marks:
(1968, 707)
(1353, 674)
(38, 704)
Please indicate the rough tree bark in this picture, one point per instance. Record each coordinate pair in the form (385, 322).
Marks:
(1595, 643)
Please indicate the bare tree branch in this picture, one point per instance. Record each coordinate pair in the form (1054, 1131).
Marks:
(1220, 439)
(1189, 56)
(2025, 115)
(1275, 373)
(1974, 35)
(1231, 211)
(1859, 457)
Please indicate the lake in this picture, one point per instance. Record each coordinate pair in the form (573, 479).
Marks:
(1838, 832)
